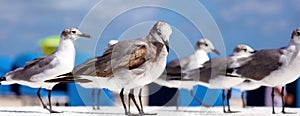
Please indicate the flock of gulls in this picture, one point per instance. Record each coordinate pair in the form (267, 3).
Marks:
(127, 66)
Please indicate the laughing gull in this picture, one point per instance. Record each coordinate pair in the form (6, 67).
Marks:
(247, 85)
(129, 64)
(34, 73)
(274, 67)
(173, 68)
(213, 74)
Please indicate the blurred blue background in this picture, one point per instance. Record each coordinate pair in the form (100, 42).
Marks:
(260, 24)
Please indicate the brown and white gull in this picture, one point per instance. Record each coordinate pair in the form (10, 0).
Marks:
(128, 64)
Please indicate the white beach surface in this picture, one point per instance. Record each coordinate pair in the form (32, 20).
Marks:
(161, 111)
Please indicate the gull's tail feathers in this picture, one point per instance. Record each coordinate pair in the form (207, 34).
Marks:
(67, 78)
(2, 79)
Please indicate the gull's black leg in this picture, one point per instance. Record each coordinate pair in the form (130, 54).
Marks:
(282, 99)
(177, 95)
(98, 96)
(243, 99)
(197, 99)
(141, 104)
(131, 96)
(140, 99)
(93, 99)
(39, 96)
(50, 104)
(283, 102)
(223, 100)
(273, 95)
(228, 99)
(228, 103)
(122, 99)
(129, 100)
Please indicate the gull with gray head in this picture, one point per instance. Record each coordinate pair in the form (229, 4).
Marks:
(246, 85)
(213, 74)
(35, 72)
(129, 64)
(203, 47)
(274, 67)
(175, 67)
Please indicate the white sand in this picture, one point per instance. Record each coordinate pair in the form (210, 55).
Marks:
(162, 111)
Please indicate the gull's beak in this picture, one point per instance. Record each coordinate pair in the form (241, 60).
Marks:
(253, 52)
(84, 35)
(215, 51)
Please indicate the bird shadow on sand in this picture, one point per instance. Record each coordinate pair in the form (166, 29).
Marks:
(18, 111)
(100, 113)
(248, 107)
(103, 113)
(194, 111)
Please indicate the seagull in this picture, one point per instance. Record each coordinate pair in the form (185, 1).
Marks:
(247, 85)
(90, 82)
(274, 67)
(128, 64)
(35, 72)
(173, 68)
(213, 74)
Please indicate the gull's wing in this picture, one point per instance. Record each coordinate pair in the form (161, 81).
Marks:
(215, 67)
(125, 54)
(68, 79)
(176, 66)
(262, 64)
(173, 68)
(36, 66)
(174, 63)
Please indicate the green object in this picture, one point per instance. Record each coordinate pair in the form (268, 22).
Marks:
(49, 44)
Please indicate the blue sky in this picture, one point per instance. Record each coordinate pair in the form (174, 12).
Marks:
(261, 24)
(24, 23)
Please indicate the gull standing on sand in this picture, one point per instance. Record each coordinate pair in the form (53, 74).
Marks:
(35, 72)
(175, 67)
(128, 64)
(213, 74)
(246, 85)
(274, 67)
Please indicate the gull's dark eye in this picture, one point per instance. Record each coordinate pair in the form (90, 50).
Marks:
(73, 32)
(206, 44)
(158, 31)
(245, 50)
(298, 33)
